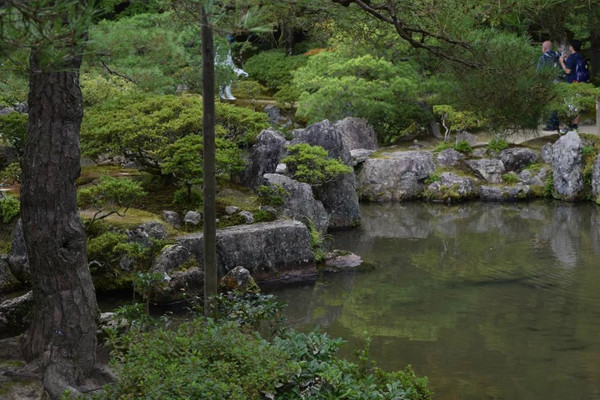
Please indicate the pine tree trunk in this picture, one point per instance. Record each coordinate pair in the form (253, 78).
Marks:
(63, 331)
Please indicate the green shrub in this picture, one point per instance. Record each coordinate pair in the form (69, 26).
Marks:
(433, 178)
(271, 195)
(184, 160)
(97, 88)
(10, 207)
(11, 174)
(185, 197)
(140, 127)
(511, 178)
(13, 129)
(110, 196)
(199, 360)
(273, 68)
(335, 86)
(441, 146)
(457, 121)
(310, 164)
(497, 144)
(219, 360)
(463, 147)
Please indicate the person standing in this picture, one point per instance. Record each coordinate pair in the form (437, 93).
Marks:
(575, 67)
(550, 60)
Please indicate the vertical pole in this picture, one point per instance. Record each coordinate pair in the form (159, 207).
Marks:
(208, 122)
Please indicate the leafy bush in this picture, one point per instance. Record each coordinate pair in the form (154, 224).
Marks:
(200, 360)
(433, 178)
(10, 207)
(110, 196)
(140, 127)
(224, 360)
(457, 121)
(463, 147)
(271, 195)
(97, 88)
(310, 164)
(13, 129)
(184, 160)
(506, 91)
(511, 178)
(11, 174)
(496, 145)
(273, 68)
(335, 86)
(441, 146)
(570, 99)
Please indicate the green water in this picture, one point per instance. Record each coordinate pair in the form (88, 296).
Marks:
(490, 301)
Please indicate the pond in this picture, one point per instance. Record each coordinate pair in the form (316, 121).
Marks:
(490, 301)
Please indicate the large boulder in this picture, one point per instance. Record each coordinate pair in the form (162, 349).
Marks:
(596, 180)
(357, 133)
(182, 274)
(340, 200)
(328, 136)
(18, 261)
(339, 196)
(534, 177)
(452, 187)
(567, 166)
(395, 176)
(300, 202)
(449, 158)
(269, 250)
(15, 315)
(489, 169)
(518, 158)
(505, 193)
(275, 117)
(264, 157)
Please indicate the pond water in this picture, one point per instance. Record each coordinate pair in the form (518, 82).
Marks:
(490, 301)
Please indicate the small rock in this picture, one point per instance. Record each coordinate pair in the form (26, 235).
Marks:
(489, 169)
(230, 210)
(172, 218)
(479, 152)
(360, 156)
(239, 280)
(248, 216)
(547, 153)
(281, 168)
(465, 136)
(341, 260)
(192, 218)
(15, 315)
(129, 165)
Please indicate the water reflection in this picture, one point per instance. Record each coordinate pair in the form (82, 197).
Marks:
(491, 301)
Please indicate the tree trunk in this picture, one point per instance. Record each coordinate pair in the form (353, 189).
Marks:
(62, 334)
(210, 185)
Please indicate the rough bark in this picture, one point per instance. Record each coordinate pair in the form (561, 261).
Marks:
(208, 123)
(63, 331)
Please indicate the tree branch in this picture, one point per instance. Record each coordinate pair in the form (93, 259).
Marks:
(112, 72)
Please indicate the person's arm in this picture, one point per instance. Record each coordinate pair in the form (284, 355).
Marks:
(564, 65)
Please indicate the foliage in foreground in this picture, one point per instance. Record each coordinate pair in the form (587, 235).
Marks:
(227, 360)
